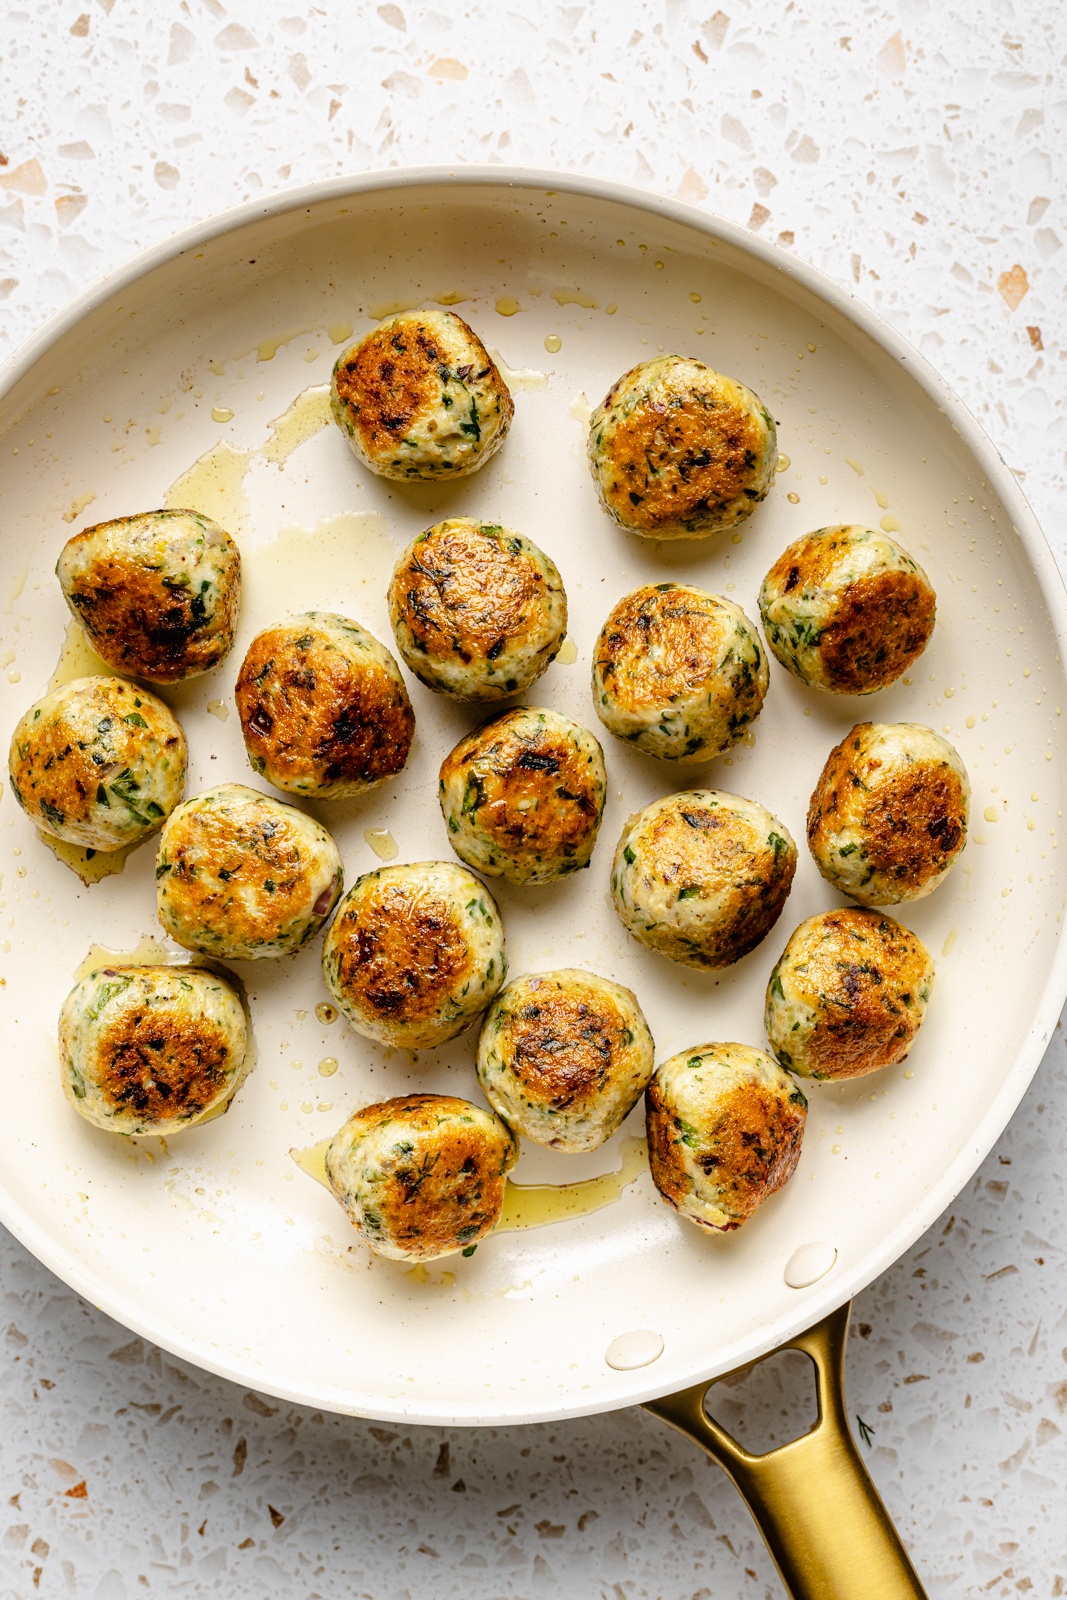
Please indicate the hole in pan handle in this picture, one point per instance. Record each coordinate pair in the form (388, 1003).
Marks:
(820, 1515)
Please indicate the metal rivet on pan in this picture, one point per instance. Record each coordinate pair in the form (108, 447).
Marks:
(808, 1264)
(638, 1348)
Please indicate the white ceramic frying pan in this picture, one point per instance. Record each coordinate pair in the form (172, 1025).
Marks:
(165, 385)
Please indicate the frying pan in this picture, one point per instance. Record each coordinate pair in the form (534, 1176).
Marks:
(195, 377)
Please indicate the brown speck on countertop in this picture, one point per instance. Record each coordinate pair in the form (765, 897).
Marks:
(276, 1516)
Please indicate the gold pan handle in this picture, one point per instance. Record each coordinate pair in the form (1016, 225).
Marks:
(819, 1513)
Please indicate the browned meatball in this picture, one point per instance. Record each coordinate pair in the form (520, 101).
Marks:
(423, 1175)
(323, 707)
(523, 796)
(846, 609)
(420, 397)
(848, 994)
(725, 1125)
(478, 612)
(415, 953)
(158, 594)
(888, 816)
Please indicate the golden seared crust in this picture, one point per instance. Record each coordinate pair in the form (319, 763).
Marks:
(164, 1066)
(562, 1044)
(158, 594)
(716, 1158)
(895, 798)
(677, 448)
(697, 845)
(241, 875)
(423, 1175)
(390, 377)
(463, 590)
(855, 984)
(678, 466)
(400, 953)
(99, 762)
(914, 822)
(659, 643)
(323, 707)
(809, 561)
(523, 795)
(879, 626)
(478, 611)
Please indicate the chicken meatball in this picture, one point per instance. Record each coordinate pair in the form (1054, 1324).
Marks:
(151, 1049)
(702, 876)
(323, 707)
(679, 451)
(523, 796)
(478, 612)
(564, 1056)
(415, 953)
(423, 1175)
(847, 609)
(419, 397)
(725, 1125)
(98, 762)
(158, 594)
(848, 994)
(677, 672)
(889, 813)
(242, 876)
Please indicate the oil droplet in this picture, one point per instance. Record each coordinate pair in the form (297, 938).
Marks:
(889, 524)
(326, 1013)
(218, 708)
(313, 1161)
(519, 377)
(507, 306)
(835, 1149)
(535, 1205)
(856, 466)
(451, 297)
(783, 464)
(308, 415)
(389, 308)
(882, 499)
(78, 659)
(149, 953)
(214, 485)
(568, 652)
(574, 297)
(580, 409)
(908, 1073)
(306, 1107)
(949, 693)
(303, 564)
(89, 865)
(823, 478)
(78, 505)
(553, 342)
(267, 349)
(971, 721)
(381, 842)
(793, 498)
(811, 349)
(950, 940)
(338, 332)
(696, 298)
(221, 414)
(610, 309)
(328, 1066)
(991, 814)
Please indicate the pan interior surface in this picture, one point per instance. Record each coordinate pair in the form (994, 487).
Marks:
(170, 390)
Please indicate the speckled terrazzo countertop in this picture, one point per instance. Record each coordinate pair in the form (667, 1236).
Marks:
(914, 152)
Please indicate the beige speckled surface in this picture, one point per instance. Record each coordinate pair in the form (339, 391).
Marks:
(913, 151)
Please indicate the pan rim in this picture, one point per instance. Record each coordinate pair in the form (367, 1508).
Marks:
(811, 1305)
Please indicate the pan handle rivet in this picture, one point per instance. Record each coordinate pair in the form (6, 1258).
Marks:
(639, 1348)
(808, 1264)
